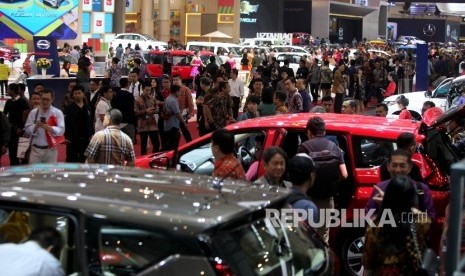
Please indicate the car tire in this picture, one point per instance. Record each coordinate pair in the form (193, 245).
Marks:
(351, 251)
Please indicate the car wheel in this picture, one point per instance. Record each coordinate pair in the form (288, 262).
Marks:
(351, 251)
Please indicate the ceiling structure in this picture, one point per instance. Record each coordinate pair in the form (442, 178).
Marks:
(426, 7)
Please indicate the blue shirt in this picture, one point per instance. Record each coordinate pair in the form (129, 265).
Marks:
(305, 204)
(305, 100)
(172, 106)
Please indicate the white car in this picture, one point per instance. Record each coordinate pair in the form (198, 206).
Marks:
(412, 39)
(144, 41)
(289, 49)
(294, 59)
(444, 96)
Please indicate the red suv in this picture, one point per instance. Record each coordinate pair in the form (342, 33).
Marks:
(366, 141)
(176, 62)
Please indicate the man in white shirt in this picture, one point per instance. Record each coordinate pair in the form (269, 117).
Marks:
(103, 106)
(37, 256)
(39, 126)
(237, 92)
(135, 87)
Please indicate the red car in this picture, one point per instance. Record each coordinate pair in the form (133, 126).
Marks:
(9, 53)
(176, 62)
(366, 142)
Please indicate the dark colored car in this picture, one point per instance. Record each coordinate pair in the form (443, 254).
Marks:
(126, 221)
(8, 52)
(366, 141)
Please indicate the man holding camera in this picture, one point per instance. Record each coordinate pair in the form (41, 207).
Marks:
(44, 124)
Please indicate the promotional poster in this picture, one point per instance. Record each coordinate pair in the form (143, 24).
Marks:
(259, 16)
(27, 18)
(46, 47)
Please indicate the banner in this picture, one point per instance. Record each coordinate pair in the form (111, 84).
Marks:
(46, 47)
(25, 19)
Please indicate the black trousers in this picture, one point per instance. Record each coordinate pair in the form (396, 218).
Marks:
(171, 139)
(153, 135)
(75, 150)
(186, 133)
(314, 87)
(13, 148)
(4, 87)
(338, 102)
(236, 106)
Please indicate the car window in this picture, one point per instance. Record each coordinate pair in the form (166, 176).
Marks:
(443, 90)
(200, 159)
(116, 249)
(17, 224)
(270, 247)
(181, 60)
(371, 152)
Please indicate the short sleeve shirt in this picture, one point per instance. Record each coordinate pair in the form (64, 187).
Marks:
(172, 107)
(110, 146)
(102, 108)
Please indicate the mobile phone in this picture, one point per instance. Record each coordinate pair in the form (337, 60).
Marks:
(42, 119)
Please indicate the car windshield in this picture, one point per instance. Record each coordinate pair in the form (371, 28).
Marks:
(270, 248)
(236, 51)
(182, 60)
(148, 37)
(443, 90)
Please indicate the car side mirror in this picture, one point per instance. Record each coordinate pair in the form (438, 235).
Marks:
(428, 94)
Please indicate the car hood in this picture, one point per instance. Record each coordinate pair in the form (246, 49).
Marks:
(434, 117)
(411, 95)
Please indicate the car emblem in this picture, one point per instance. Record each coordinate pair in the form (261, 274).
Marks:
(429, 30)
(43, 44)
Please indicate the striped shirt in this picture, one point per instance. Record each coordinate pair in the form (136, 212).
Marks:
(110, 146)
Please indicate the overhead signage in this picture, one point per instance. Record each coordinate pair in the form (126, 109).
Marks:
(21, 19)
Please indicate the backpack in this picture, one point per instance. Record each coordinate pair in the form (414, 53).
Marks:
(327, 172)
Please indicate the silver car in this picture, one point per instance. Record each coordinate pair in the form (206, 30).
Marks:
(127, 221)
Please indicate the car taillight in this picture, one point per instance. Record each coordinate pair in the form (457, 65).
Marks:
(222, 269)
(159, 163)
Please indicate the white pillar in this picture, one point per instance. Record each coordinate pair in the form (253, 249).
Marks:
(164, 20)
(146, 11)
(370, 25)
(119, 17)
(320, 18)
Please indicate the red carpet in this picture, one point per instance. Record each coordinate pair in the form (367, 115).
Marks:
(62, 149)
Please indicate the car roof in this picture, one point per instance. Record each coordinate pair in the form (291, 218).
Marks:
(355, 124)
(184, 203)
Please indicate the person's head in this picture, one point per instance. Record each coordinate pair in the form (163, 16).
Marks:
(267, 95)
(71, 85)
(290, 84)
(230, 54)
(400, 195)
(115, 60)
(106, 93)
(327, 103)
(427, 105)
(349, 106)
(258, 86)
(166, 82)
(153, 83)
(13, 90)
(46, 99)
(234, 73)
(317, 109)
(175, 89)
(274, 162)
(399, 163)
(34, 99)
(77, 94)
(133, 77)
(2, 60)
(137, 61)
(258, 146)
(406, 141)
(146, 88)
(38, 87)
(93, 85)
(279, 98)
(124, 83)
(252, 103)
(283, 75)
(402, 102)
(48, 238)
(224, 87)
(381, 110)
(222, 143)
(301, 170)
(205, 83)
(212, 59)
(316, 127)
(301, 83)
(114, 117)
(177, 80)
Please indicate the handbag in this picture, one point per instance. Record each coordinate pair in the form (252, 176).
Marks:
(429, 263)
(23, 146)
